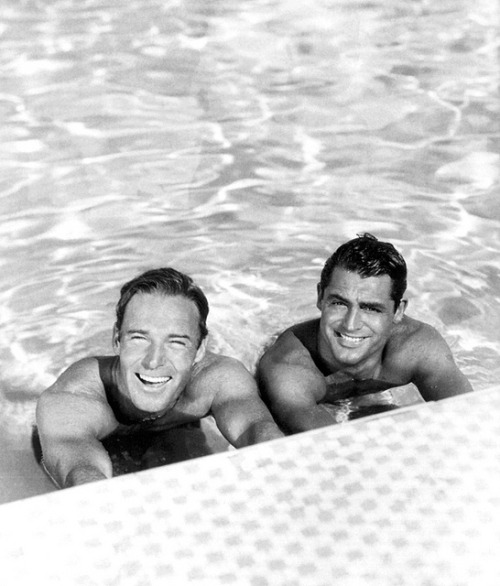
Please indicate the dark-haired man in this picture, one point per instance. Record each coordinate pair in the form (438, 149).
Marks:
(341, 365)
(162, 377)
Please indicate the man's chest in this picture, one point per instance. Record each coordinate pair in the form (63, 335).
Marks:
(340, 385)
(186, 410)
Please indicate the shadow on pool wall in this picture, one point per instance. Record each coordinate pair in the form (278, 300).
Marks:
(22, 476)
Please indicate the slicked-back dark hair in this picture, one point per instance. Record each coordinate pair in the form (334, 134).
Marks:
(368, 257)
(166, 281)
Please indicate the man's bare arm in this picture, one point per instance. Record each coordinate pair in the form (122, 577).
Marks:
(292, 386)
(72, 417)
(239, 412)
(436, 374)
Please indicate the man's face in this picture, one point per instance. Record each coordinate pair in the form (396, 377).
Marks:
(157, 345)
(357, 318)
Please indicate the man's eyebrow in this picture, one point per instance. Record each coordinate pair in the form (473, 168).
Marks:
(135, 331)
(145, 332)
(374, 304)
(336, 296)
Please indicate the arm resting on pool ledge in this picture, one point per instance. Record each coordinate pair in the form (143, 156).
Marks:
(77, 464)
(435, 372)
(82, 474)
(258, 432)
(72, 452)
(71, 422)
(292, 391)
(239, 412)
(294, 405)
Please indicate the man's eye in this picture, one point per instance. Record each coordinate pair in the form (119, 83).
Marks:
(179, 342)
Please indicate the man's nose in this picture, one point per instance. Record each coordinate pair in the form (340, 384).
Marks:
(352, 319)
(155, 357)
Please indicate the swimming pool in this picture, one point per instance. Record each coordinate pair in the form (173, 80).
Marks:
(241, 143)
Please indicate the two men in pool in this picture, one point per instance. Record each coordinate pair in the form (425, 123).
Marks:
(161, 377)
(341, 365)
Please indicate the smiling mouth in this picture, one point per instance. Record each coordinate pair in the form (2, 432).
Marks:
(153, 381)
(355, 340)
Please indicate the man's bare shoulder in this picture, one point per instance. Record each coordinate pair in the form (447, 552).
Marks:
(287, 349)
(80, 378)
(421, 355)
(214, 365)
(411, 329)
(75, 405)
(415, 339)
(217, 375)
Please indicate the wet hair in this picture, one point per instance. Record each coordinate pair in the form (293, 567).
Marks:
(166, 281)
(368, 257)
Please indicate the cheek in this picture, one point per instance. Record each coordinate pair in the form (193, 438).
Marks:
(328, 323)
(129, 356)
(331, 314)
(182, 360)
(186, 364)
(383, 326)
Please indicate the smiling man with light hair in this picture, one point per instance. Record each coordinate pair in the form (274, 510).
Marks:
(162, 380)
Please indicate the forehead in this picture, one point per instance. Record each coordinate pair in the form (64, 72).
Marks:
(161, 312)
(352, 285)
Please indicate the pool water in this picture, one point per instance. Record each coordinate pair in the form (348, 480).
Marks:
(241, 142)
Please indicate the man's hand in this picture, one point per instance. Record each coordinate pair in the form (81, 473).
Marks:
(82, 474)
(240, 414)
(258, 432)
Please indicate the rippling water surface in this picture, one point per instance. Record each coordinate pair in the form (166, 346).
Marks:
(241, 142)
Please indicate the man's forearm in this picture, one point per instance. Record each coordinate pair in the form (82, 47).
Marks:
(306, 419)
(72, 462)
(435, 389)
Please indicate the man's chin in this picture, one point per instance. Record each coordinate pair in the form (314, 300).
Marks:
(348, 356)
(150, 403)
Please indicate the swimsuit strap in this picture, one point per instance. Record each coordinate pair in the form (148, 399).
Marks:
(108, 366)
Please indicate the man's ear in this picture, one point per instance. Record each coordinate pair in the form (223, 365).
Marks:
(319, 296)
(202, 348)
(116, 339)
(400, 311)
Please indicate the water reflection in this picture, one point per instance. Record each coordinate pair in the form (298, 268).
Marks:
(242, 143)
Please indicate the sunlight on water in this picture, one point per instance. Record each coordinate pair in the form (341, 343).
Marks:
(241, 143)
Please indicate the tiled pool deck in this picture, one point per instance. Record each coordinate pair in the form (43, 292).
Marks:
(410, 497)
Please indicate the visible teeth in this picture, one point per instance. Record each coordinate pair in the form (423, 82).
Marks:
(153, 380)
(355, 339)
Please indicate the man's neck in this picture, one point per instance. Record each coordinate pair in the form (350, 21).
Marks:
(368, 369)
